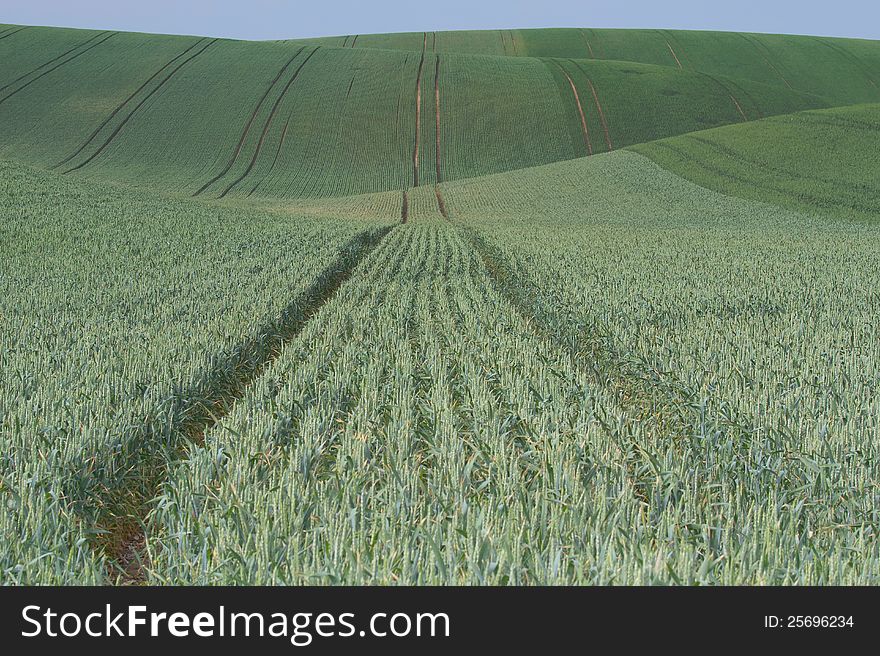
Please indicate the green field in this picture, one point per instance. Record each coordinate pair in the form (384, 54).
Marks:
(571, 306)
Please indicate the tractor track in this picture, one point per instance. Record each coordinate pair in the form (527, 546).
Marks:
(760, 47)
(415, 154)
(865, 70)
(128, 117)
(268, 123)
(247, 126)
(117, 506)
(584, 127)
(674, 56)
(587, 41)
(598, 105)
(51, 61)
(54, 68)
(437, 117)
(274, 159)
(729, 94)
(404, 207)
(11, 31)
(441, 204)
(123, 104)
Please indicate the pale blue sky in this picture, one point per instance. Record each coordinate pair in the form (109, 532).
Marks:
(278, 19)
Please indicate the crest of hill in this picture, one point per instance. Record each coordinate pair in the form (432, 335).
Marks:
(218, 118)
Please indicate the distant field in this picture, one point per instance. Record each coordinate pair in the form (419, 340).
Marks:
(221, 118)
(510, 307)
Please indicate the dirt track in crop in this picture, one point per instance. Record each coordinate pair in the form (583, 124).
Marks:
(118, 514)
(247, 126)
(584, 127)
(55, 67)
(128, 117)
(268, 123)
(415, 155)
(757, 45)
(10, 32)
(674, 56)
(123, 104)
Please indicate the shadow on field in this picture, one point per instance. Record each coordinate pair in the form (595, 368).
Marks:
(111, 491)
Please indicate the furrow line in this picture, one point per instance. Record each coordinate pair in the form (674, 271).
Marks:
(247, 126)
(268, 123)
(129, 116)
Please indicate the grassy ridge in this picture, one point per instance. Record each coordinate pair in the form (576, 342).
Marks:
(825, 161)
(842, 70)
(288, 119)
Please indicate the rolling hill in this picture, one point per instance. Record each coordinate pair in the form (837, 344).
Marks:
(220, 118)
(518, 307)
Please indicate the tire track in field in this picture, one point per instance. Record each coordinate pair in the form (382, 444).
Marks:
(674, 56)
(247, 126)
(598, 105)
(415, 153)
(864, 69)
(354, 40)
(729, 95)
(140, 104)
(441, 203)
(345, 41)
(51, 61)
(277, 154)
(673, 39)
(55, 67)
(433, 42)
(11, 31)
(268, 123)
(668, 410)
(711, 166)
(513, 42)
(113, 491)
(404, 208)
(584, 127)
(587, 41)
(437, 118)
(123, 104)
(503, 42)
(757, 45)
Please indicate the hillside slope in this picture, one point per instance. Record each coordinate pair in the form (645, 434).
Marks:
(826, 160)
(842, 70)
(286, 119)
